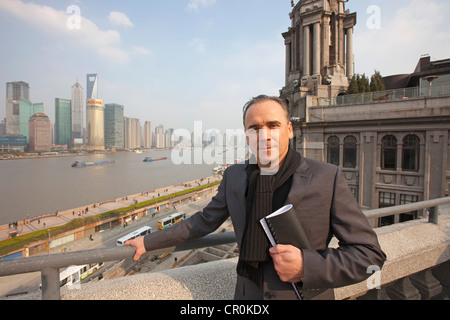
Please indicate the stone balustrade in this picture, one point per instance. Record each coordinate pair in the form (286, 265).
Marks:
(417, 267)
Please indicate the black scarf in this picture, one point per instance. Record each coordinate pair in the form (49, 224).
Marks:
(259, 203)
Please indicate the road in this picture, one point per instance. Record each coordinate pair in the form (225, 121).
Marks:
(26, 283)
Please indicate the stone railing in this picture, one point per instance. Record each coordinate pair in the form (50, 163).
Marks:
(437, 90)
(417, 266)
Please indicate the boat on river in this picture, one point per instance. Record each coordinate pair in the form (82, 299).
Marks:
(151, 159)
(83, 164)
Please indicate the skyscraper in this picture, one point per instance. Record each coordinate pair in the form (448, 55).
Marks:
(160, 140)
(14, 92)
(95, 125)
(38, 107)
(131, 127)
(77, 113)
(40, 133)
(114, 136)
(63, 121)
(95, 118)
(147, 134)
(25, 112)
(92, 86)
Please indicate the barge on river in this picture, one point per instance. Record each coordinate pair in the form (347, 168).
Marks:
(83, 164)
(151, 159)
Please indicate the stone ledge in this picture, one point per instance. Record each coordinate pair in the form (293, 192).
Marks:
(410, 248)
(207, 281)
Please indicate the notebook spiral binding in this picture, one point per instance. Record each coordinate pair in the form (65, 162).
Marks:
(297, 289)
(272, 230)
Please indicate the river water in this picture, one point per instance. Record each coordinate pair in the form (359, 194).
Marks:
(31, 187)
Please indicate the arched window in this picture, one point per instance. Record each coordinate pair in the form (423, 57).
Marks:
(333, 150)
(389, 152)
(350, 149)
(411, 152)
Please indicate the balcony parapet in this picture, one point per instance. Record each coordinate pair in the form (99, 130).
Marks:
(416, 253)
(411, 248)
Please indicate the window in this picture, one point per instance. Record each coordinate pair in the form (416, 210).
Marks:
(405, 199)
(350, 152)
(333, 150)
(387, 199)
(411, 151)
(389, 153)
(16, 109)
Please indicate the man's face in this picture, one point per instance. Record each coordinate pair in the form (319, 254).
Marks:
(268, 133)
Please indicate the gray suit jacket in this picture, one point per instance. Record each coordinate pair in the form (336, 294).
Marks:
(326, 207)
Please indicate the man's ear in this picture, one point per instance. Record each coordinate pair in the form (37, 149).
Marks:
(291, 131)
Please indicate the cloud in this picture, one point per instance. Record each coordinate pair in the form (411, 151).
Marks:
(397, 45)
(120, 19)
(198, 45)
(140, 51)
(69, 28)
(196, 5)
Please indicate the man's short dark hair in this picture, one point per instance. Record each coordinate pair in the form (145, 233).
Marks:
(262, 98)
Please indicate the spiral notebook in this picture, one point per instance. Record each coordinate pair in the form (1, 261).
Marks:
(284, 227)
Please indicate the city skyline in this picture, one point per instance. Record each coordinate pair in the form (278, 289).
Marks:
(202, 67)
(70, 131)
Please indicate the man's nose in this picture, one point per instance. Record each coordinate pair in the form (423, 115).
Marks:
(264, 134)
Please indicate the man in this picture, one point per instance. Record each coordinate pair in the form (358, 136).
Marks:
(277, 176)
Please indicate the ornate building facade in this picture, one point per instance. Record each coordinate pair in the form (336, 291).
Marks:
(319, 52)
(393, 146)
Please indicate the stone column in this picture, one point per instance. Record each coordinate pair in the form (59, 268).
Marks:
(341, 41)
(306, 51)
(335, 41)
(403, 289)
(288, 60)
(350, 71)
(426, 283)
(316, 49)
(326, 41)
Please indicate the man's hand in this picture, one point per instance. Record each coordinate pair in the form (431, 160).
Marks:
(288, 262)
(138, 245)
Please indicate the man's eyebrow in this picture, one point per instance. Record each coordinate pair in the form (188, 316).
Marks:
(269, 124)
(275, 122)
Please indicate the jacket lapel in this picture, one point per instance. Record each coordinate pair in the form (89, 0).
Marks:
(300, 183)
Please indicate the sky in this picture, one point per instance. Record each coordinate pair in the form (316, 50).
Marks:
(181, 61)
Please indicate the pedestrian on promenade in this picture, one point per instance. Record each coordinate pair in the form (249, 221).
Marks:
(275, 176)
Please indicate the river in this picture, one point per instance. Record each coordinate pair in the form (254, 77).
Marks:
(31, 187)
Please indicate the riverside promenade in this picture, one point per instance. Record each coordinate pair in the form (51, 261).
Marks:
(50, 220)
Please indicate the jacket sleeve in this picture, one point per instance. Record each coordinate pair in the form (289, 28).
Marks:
(198, 225)
(358, 245)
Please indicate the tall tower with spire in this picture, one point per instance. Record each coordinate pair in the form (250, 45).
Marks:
(95, 116)
(319, 53)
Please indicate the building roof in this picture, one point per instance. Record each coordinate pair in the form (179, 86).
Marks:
(425, 69)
